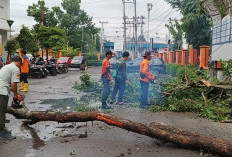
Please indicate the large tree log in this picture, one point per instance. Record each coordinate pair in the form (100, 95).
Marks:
(155, 130)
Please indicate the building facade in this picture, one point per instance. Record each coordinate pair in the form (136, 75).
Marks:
(222, 29)
(4, 27)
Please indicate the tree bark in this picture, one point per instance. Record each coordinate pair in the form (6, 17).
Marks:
(155, 130)
(207, 84)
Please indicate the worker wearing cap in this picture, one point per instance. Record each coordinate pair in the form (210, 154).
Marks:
(24, 85)
(9, 77)
(145, 77)
(106, 79)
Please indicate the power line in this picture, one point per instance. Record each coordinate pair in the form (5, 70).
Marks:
(161, 21)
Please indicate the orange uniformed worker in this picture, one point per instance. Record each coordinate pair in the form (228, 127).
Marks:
(24, 86)
(145, 77)
(106, 79)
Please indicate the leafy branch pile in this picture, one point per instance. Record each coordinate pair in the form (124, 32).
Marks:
(188, 92)
(87, 85)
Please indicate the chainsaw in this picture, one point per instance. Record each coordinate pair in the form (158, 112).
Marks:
(18, 102)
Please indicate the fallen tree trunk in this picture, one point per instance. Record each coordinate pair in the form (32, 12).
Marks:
(155, 130)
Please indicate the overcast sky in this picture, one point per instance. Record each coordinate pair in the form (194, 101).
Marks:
(106, 10)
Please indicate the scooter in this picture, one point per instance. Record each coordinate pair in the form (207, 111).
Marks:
(62, 68)
(52, 68)
(37, 69)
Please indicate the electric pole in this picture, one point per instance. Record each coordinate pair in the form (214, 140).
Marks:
(102, 35)
(124, 22)
(149, 8)
(169, 40)
(136, 38)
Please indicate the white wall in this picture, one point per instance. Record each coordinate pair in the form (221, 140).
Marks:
(4, 15)
(222, 39)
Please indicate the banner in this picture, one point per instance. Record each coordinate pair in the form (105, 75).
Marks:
(118, 44)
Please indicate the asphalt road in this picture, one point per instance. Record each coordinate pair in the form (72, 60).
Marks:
(51, 139)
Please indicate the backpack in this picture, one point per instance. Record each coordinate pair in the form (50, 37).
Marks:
(115, 74)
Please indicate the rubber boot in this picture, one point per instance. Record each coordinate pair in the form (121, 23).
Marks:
(21, 86)
(26, 87)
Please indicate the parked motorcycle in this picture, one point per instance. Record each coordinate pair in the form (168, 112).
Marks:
(52, 68)
(37, 69)
(62, 68)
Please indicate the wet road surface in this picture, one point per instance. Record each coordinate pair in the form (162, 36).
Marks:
(48, 139)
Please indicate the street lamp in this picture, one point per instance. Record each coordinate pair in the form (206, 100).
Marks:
(10, 23)
(149, 8)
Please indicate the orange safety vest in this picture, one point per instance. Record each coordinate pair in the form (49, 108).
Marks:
(25, 64)
(145, 69)
(106, 69)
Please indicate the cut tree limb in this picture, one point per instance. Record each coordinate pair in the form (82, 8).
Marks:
(205, 100)
(206, 83)
(155, 130)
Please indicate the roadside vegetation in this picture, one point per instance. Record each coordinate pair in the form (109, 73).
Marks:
(184, 92)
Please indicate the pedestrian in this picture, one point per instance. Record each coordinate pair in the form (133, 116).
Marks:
(9, 77)
(106, 79)
(145, 78)
(24, 85)
(83, 65)
(120, 79)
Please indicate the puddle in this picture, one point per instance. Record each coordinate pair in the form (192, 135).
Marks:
(90, 100)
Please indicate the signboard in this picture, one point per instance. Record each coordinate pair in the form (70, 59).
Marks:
(0, 45)
(118, 44)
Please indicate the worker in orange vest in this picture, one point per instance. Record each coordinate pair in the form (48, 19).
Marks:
(106, 79)
(24, 86)
(145, 78)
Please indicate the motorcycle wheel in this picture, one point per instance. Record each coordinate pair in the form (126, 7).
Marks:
(39, 75)
(65, 69)
(54, 73)
(60, 71)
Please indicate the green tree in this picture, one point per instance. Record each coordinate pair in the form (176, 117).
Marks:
(38, 10)
(11, 47)
(195, 23)
(27, 41)
(70, 52)
(52, 38)
(77, 24)
(177, 33)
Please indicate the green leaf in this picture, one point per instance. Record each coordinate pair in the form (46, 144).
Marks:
(72, 152)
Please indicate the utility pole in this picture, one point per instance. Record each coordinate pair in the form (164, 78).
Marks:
(142, 23)
(136, 38)
(169, 40)
(102, 35)
(82, 39)
(42, 17)
(149, 8)
(124, 23)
